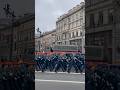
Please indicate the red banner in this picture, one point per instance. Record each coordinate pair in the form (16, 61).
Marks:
(56, 52)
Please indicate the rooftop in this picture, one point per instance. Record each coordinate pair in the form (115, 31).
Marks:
(71, 11)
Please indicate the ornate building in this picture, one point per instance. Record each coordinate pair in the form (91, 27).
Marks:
(70, 27)
(22, 43)
(45, 41)
(102, 30)
(25, 37)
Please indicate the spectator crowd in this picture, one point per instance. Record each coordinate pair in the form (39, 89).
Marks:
(103, 77)
(17, 78)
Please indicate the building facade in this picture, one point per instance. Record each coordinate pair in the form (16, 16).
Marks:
(21, 45)
(45, 41)
(70, 27)
(102, 30)
(25, 37)
(5, 42)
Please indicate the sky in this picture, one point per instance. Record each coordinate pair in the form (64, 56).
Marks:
(47, 12)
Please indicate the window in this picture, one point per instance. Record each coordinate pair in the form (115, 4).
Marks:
(0, 36)
(69, 19)
(73, 18)
(79, 42)
(78, 23)
(92, 23)
(110, 16)
(59, 37)
(7, 39)
(77, 34)
(65, 36)
(65, 43)
(100, 20)
(75, 24)
(76, 16)
(73, 35)
(72, 24)
(15, 46)
(81, 20)
(69, 35)
(80, 33)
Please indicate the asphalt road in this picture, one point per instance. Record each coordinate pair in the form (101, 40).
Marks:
(59, 81)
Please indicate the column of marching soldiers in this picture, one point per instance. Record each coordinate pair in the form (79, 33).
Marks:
(19, 78)
(56, 63)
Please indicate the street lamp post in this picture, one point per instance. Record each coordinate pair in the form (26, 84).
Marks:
(11, 14)
(38, 30)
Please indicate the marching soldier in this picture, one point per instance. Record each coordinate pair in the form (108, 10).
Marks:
(72, 63)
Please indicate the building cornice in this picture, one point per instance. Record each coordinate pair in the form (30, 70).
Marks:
(71, 11)
(19, 21)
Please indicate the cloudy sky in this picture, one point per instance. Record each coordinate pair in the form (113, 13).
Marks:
(47, 12)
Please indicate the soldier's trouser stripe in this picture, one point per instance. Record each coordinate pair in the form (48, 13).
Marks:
(59, 81)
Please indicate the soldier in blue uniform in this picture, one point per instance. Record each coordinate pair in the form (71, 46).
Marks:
(50, 64)
(37, 66)
(54, 60)
(80, 62)
(72, 63)
(46, 65)
(59, 64)
(64, 64)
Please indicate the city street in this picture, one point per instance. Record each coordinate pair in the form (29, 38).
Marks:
(59, 81)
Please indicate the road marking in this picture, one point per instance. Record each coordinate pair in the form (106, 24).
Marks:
(62, 73)
(59, 81)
